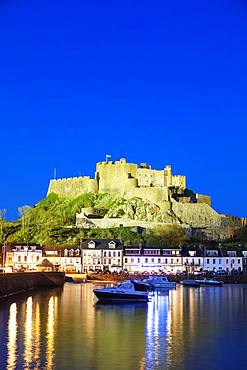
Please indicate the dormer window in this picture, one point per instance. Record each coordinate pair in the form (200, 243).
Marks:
(245, 253)
(192, 253)
(212, 253)
(112, 244)
(91, 244)
(65, 252)
(232, 253)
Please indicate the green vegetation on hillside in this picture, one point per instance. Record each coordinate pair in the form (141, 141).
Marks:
(52, 222)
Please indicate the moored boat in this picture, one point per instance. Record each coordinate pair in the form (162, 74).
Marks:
(156, 281)
(127, 291)
(210, 282)
(193, 283)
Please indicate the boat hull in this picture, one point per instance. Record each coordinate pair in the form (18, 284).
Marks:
(190, 283)
(163, 286)
(119, 297)
(210, 283)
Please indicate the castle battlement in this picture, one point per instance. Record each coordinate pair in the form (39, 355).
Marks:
(128, 180)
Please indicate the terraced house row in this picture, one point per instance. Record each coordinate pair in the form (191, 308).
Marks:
(113, 256)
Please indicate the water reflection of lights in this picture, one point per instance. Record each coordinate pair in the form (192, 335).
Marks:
(37, 337)
(156, 329)
(50, 333)
(28, 344)
(12, 337)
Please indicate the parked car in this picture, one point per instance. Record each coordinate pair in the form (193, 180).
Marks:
(221, 272)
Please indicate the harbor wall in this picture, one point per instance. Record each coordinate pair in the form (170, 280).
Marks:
(14, 283)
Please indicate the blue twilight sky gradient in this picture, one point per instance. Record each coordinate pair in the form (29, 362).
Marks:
(158, 81)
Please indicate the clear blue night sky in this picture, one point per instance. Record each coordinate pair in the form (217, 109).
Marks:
(163, 82)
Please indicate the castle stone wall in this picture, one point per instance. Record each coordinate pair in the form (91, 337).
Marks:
(148, 177)
(203, 199)
(155, 195)
(73, 186)
(105, 223)
(113, 176)
(197, 214)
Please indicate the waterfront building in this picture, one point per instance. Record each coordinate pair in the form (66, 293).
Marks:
(64, 258)
(193, 259)
(153, 259)
(223, 259)
(102, 255)
(23, 257)
(213, 259)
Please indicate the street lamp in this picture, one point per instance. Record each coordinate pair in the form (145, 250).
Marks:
(4, 251)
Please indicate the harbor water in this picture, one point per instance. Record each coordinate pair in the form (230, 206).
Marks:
(66, 329)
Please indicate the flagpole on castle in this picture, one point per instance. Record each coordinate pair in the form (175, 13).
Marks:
(107, 157)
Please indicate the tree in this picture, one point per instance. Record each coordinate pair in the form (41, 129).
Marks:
(24, 212)
(2, 221)
(173, 235)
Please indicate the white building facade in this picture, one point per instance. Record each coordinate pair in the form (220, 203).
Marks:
(152, 259)
(23, 257)
(102, 255)
(65, 259)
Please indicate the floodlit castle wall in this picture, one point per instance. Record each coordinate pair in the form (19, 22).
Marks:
(203, 199)
(149, 177)
(153, 195)
(113, 176)
(73, 186)
(196, 214)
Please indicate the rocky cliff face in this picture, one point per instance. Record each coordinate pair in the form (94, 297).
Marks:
(199, 215)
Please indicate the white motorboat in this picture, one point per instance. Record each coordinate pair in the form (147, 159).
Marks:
(193, 283)
(156, 281)
(127, 291)
(210, 282)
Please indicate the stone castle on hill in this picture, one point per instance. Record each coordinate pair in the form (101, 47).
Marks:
(164, 196)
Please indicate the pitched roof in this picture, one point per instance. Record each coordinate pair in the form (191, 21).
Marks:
(102, 243)
(46, 263)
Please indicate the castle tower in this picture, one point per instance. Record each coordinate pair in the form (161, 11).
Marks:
(113, 176)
